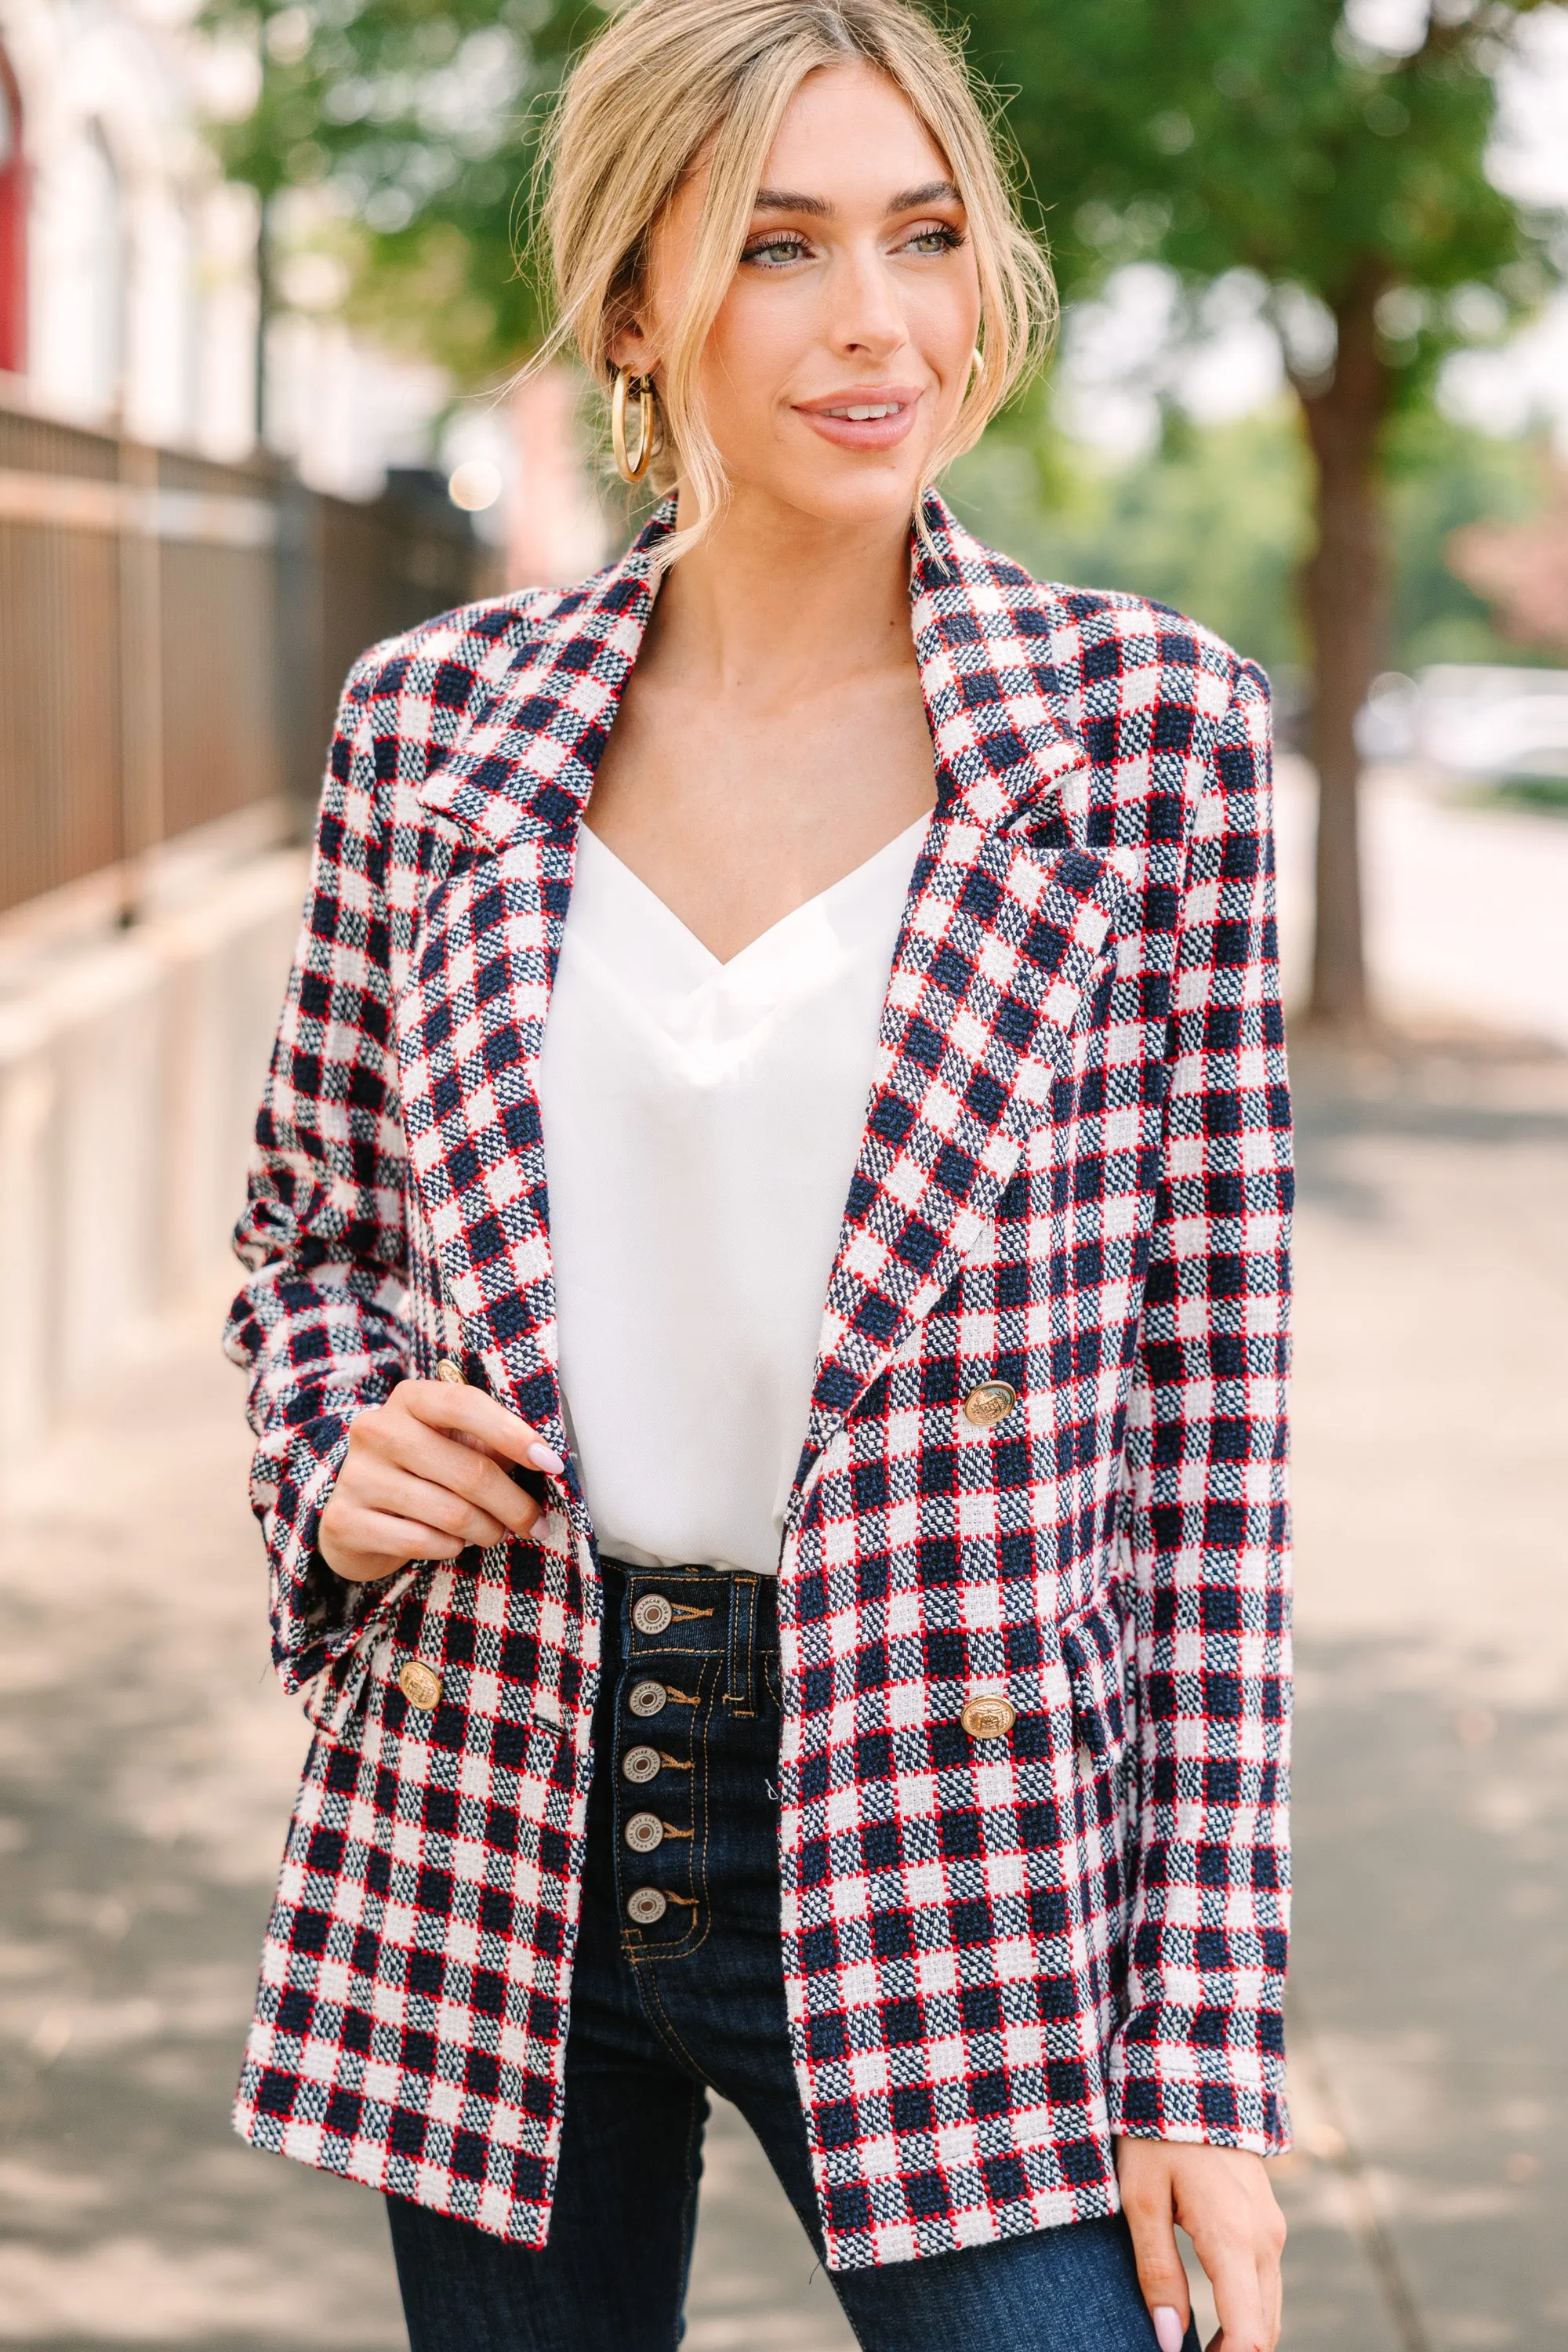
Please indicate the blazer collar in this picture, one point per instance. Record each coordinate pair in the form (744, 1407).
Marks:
(1003, 732)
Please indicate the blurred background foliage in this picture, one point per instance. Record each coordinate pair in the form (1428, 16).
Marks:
(410, 128)
(1216, 520)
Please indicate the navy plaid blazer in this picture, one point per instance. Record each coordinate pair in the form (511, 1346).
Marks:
(1075, 1180)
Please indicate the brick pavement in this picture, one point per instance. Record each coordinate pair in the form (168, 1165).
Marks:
(147, 1760)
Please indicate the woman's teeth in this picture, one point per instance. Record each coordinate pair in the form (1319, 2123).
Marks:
(862, 415)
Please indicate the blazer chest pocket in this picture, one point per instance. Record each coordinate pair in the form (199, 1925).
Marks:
(1063, 916)
(1097, 1653)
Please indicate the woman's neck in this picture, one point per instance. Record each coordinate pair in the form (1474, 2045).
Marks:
(770, 604)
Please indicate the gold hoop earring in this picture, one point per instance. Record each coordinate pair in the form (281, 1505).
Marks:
(642, 385)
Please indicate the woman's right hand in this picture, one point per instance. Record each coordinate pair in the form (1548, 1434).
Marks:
(423, 1479)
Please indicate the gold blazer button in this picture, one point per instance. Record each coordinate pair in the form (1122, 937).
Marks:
(448, 1369)
(992, 1402)
(420, 1684)
(990, 1716)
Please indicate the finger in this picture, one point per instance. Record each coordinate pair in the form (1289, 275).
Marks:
(396, 1493)
(1272, 2295)
(1161, 2276)
(386, 1546)
(444, 1405)
(1270, 2280)
(1233, 2273)
(466, 1469)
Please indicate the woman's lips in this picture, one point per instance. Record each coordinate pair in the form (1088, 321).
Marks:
(869, 419)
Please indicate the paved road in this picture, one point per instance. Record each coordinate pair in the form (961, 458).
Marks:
(1464, 900)
(147, 1760)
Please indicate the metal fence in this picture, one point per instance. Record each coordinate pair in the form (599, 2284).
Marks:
(173, 635)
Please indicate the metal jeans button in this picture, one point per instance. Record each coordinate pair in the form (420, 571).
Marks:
(648, 1698)
(646, 1906)
(652, 1614)
(643, 1833)
(640, 1764)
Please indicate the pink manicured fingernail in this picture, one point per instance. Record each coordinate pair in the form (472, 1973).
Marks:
(1168, 2328)
(543, 1457)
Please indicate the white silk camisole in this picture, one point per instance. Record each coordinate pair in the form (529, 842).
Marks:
(701, 1123)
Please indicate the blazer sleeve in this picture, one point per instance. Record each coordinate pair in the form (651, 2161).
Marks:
(1200, 2053)
(319, 1324)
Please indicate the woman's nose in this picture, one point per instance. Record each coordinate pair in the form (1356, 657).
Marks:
(866, 315)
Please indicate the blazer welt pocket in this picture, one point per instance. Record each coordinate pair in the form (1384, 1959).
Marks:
(1054, 922)
(1097, 1651)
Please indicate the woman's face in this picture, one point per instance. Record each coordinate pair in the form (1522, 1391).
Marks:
(842, 349)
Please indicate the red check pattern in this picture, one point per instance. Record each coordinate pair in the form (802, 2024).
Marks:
(1074, 1179)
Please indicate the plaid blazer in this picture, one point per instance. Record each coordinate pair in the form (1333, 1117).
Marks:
(1074, 1178)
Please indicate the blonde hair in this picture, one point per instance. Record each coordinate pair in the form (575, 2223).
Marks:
(669, 78)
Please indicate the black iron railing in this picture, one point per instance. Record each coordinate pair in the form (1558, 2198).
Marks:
(173, 635)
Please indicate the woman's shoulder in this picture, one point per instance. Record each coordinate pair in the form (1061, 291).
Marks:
(1148, 630)
(1094, 640)
(447, 659)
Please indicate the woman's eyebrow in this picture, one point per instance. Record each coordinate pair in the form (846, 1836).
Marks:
(909, 200)
(934, 192)
(783, 200)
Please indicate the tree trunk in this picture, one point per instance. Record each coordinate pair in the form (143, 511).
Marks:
(1344, 585)
(263, 320)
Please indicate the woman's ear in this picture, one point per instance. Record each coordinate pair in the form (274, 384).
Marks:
(630, 348)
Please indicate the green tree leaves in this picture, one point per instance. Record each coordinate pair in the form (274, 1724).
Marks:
(419, 120)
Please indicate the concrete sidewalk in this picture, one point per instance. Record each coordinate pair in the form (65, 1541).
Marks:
(147, 1761)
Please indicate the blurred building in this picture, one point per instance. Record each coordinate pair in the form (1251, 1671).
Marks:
(127, 280)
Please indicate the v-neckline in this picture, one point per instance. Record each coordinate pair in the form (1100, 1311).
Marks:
(909, 839)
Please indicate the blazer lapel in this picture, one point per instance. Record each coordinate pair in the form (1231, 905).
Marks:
(468, 1024)
(1008, 915)
(523, 764)
(471, 1021)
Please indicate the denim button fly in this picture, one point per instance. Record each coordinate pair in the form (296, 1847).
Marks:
(658, 1807)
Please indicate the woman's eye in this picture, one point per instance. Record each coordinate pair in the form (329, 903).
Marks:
(938, 239)
(773, 250)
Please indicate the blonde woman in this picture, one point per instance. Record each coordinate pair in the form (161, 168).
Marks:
(766, 1316)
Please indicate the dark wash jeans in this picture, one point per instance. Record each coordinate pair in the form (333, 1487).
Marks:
(678, 1985)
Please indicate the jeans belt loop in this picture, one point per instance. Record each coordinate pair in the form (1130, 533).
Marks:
(741, 1696)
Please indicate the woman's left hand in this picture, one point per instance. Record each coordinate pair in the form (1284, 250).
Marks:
(1223, 2200)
